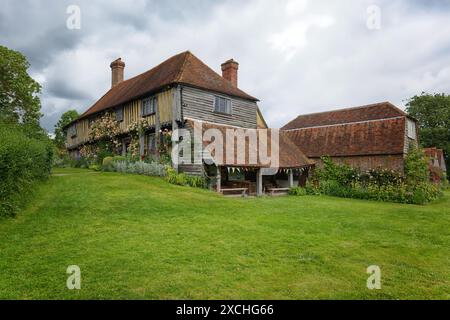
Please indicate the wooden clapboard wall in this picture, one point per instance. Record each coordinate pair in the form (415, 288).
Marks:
(165, 100)
(82, 134)
(199, 104)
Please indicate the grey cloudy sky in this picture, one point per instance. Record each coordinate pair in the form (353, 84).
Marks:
(296, 56)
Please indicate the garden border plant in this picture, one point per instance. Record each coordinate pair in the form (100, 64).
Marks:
(341, 180)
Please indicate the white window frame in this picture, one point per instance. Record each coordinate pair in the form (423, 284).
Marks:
(228, 107)
(411, 129)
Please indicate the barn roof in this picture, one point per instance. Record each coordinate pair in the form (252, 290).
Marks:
(183, 68)
(376, 111)
(376, 137)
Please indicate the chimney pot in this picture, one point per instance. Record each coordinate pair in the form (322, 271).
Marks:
(230, 71)
(117, 67)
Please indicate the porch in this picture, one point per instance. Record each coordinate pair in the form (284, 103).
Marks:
(254, 181)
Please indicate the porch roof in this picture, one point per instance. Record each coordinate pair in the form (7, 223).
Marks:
(289, 155)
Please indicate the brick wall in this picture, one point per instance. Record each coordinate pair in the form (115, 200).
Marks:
(391, 162)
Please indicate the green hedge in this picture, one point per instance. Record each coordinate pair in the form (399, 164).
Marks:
(23, 162)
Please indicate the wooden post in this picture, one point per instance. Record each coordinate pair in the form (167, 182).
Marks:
(176, 102)
(157, 129)
(219, 180)
(141, 144)
(259, 187)
(291, 178)
(124, 148)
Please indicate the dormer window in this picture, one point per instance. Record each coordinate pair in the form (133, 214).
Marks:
(119, 114)
(149, 106)
(222, 105)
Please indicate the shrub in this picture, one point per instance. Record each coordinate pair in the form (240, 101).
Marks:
(107, 164)
(197, 182)
(95, 167)
(119, 158)
(416, 166)
(24, 160)
(425, 192)
(380, 176)
(311, 188)
(183, 179)
(143, 168)
(297, 191)
(343, 174)
(80, 163)
(377, 184)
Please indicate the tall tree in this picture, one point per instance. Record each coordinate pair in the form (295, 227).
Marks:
(433, 113)
(19, 100)
(60, 133)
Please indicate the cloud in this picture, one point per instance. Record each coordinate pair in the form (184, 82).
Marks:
(295, 56)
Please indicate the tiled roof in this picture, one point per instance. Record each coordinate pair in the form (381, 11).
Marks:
(375, 111)
(183, 68)
(290, 156)
(377, 137)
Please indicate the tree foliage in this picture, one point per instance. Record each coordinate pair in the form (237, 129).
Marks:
(60, 133)
(19, 100)
(433, 113)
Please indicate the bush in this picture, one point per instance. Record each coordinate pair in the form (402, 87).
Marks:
(95, 167)
(197, 182)
(183, 179)
(343, 174)
(24, 160)
(377, 184)
(425, 192)
(109, 162)
(143, 168)
(416, 166)
(297, 191)
(80, 163)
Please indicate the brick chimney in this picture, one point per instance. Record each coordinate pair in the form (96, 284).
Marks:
(117, 67)
(230, 71)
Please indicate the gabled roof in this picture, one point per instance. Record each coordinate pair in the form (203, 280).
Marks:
(383, 110)
(289, 155)
(183, 68)
(376, 137)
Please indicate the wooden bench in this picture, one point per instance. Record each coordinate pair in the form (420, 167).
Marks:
(275, 191)
(242, 191)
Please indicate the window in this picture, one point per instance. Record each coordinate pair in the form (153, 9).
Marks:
(90, 122)
(222, 105)
(411, 129)
(73, 131)
(149, 106)
(119, 114)
(151, 143)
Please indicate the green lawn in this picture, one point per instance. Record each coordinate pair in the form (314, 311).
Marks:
(137, 237)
